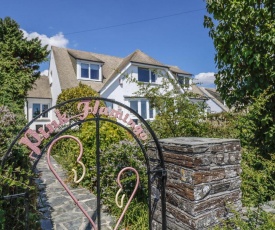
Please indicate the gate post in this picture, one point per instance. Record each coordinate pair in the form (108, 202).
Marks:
(203, 176)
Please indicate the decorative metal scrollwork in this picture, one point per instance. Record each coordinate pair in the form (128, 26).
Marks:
(121, 189)
(75, 178)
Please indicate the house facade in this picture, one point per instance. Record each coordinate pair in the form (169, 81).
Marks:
(213, 100)
(105, 74)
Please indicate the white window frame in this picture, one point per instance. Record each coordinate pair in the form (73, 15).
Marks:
(138, 100)
(41, 107)
(150, 75)
(79, 62)
(184, 79)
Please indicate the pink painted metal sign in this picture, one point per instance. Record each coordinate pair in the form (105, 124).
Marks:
(85, 109)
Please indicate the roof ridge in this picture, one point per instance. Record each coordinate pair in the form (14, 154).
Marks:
(69, 49)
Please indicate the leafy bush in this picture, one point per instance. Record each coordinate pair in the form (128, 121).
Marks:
(14, 176)
(115, 154)
(79, 91)
(222, 125)
(252, 219)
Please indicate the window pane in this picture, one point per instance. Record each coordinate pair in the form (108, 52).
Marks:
(94, 72)
(35, 110)
(143, 109)
(153, 77)
(84, 70)
(186, 81)
(151, 111)
(143, 75)
(181, 80)
(45, 107)
(134, 105)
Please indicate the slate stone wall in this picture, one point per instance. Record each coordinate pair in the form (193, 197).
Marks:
(203, 177)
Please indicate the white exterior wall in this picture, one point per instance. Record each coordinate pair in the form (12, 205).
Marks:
(54, 83)
(214, 108)
(54, 80)
(29, 110)
(120, 90)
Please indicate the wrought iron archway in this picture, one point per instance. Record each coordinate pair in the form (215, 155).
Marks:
(94, 109)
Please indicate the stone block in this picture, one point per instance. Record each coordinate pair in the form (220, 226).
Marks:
(203, 176)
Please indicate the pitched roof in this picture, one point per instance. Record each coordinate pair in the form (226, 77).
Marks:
(176, 69)
(65, 60)
(66, 65)
(139, 57)
(210, 94)
(41, 88)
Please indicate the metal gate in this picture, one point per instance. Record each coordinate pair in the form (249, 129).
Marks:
(71, 116)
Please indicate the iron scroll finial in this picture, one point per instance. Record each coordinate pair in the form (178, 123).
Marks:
(121, 188)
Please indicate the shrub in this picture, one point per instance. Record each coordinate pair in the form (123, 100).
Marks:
(14, 176)
(79, 91)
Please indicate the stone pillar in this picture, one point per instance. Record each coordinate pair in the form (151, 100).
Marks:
(203, 177)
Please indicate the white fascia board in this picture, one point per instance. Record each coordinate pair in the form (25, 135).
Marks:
(149, 66)
(172, 76)
(112, 82)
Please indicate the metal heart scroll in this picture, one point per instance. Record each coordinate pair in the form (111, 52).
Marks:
(83, 174)
(75, 178)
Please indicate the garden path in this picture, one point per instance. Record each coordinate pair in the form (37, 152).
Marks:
(57, 209)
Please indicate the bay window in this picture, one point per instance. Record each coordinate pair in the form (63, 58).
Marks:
(143, 108)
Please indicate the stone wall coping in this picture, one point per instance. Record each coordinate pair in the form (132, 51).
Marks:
(195, 141)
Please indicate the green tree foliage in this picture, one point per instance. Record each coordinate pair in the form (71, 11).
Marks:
(14, 176)
(117, 151)
(258, 156)
(244, 38)
(79, 91)
(176, 115)
(222, 125)
(19, 63)
(19, 68)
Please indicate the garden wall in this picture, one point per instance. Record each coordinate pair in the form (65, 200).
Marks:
(203, 177)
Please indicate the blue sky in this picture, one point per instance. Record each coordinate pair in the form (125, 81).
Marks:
(177, 37)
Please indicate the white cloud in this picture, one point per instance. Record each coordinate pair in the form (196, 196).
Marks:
(44, 72)
(205, 79)
(57, 40)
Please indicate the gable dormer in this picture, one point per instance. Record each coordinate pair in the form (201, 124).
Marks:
(88, 70)
(88, 67)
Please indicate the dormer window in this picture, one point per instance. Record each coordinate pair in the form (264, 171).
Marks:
(146, 75)
(184, 81)
(89, 71)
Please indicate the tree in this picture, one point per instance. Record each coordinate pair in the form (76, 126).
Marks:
(244, 38)
(19, 63)
(19, 68)
(176, 114)
(79, 91)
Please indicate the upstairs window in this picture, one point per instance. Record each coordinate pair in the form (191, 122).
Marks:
(39, 108)
(89, 71)
(146, 75)
(184, 81)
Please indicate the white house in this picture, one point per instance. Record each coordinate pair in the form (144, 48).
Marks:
(213, 101)
(105, 74)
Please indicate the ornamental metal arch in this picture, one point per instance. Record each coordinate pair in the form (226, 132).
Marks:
(71, 115)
